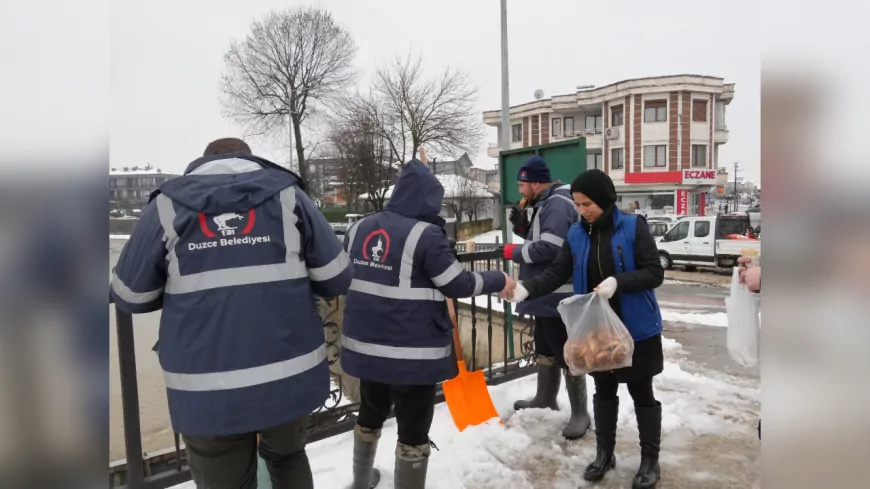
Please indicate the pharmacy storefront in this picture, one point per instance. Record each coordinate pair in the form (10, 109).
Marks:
(654, 193)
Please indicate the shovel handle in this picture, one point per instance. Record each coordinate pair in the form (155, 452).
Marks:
(457, 343)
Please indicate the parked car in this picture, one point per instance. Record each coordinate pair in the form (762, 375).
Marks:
(671, 218)
(658, 228)
(712, 241)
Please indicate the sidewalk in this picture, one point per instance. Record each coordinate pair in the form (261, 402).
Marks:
(709, 440)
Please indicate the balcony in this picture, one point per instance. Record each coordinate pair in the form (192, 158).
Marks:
(593, 136)
(720, 135)
(492, 150)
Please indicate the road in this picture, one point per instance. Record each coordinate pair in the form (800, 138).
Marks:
(706, 346)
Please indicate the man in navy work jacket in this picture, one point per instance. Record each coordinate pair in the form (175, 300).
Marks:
(552, 214)
(234, 253)
(397, 336)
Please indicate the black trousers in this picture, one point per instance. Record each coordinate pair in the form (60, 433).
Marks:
(230, 462)
(415, 407)
(641, 390)
(550, 337)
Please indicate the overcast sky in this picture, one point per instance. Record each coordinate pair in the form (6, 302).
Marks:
(166, 59)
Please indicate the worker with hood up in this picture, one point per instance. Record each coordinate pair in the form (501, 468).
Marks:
(397, 336)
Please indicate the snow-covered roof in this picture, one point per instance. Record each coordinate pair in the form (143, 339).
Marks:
(120, 173)
(454, 186)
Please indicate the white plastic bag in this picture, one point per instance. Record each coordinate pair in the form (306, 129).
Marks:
(597, 339)
(743, 308)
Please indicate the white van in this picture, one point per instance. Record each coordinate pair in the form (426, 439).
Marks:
(704, 242)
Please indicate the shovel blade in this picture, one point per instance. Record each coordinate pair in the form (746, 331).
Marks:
(468, 399)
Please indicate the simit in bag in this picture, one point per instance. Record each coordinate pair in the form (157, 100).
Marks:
(597, 339)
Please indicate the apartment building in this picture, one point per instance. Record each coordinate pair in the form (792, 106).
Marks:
(658, 137)
(129, 188)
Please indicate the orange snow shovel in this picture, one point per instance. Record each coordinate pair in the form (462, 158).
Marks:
(467, 395)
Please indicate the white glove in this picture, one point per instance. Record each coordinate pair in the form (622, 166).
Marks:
(520, 294)
(607, 288)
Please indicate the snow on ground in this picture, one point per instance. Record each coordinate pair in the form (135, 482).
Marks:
(119, 236)
(718, 319)
(490, 237)
(527, 451)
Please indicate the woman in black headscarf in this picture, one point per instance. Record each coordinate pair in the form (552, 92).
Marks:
(615, 255)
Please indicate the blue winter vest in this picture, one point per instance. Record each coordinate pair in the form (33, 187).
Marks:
(639, 310)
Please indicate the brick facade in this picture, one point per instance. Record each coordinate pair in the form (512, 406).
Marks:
(638, 124)
(545, 128)
(685, 137)
(536, 130)
(525, 131)
(711, 147)
(605, 145)
(673, 131)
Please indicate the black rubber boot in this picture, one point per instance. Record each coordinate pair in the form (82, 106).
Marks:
(649, 428)
(580, 419)
(549, 379)
(411, 466)
(606, 413)
(365, 446)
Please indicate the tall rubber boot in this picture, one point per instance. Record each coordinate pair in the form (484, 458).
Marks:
(365, 446)
(549, 378)
(606, 414)
(580, 420)
(411, 465)
(649, 428)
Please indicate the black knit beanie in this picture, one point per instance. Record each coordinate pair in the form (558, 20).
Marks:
(596, 185)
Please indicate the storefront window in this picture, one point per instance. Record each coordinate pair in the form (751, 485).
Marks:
(650, 204)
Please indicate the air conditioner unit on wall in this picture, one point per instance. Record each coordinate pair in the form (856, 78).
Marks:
(611, 133)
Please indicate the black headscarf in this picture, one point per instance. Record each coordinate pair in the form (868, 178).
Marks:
(596, 185)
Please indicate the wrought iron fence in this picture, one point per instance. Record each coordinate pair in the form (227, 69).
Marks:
(338, 413)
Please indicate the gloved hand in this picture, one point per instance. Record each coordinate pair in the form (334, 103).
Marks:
(607, 288)
(519, 294)
(508, 250)
(519, 218)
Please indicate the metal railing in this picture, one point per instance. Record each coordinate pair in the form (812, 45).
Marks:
(167, 468)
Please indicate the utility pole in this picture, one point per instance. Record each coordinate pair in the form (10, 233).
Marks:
(736, 193)
(505, 85)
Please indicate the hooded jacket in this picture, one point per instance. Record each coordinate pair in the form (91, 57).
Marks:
(396, 326)
(553, 213)
(234, 253)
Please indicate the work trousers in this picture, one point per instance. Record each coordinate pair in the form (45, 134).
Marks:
(230, 462)
(415, 407)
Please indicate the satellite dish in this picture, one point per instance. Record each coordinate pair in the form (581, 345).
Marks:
(539, 94)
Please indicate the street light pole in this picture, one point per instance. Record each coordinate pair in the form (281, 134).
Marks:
(736, 193)
(505, 142)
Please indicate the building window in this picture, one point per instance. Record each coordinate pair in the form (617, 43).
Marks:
(593, 123)
(569, 126)
(699, 110)
(516, 133)
(655, 156)
(593, 160)
(617, 161)
(655, 111)
(699, 155)
(557, 128)
(616, 116)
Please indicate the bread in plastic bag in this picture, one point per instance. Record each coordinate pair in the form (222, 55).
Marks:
(597, 339)
(743, 309)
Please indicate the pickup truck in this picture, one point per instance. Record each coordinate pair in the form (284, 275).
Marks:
(706, 242)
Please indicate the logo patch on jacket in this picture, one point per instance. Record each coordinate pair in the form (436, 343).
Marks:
(228, 224)
(375, 249)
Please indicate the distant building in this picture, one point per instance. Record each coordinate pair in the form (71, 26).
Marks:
(129, 188)
(657, 137)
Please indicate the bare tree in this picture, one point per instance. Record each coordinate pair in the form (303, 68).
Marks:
(290, 65)
(464, 195)
(367, 168)
(410, 110)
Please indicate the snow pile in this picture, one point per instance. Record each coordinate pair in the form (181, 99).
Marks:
(528, 449)
(454, 186)
(717, 319)
(119, 236)
(490, 237)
